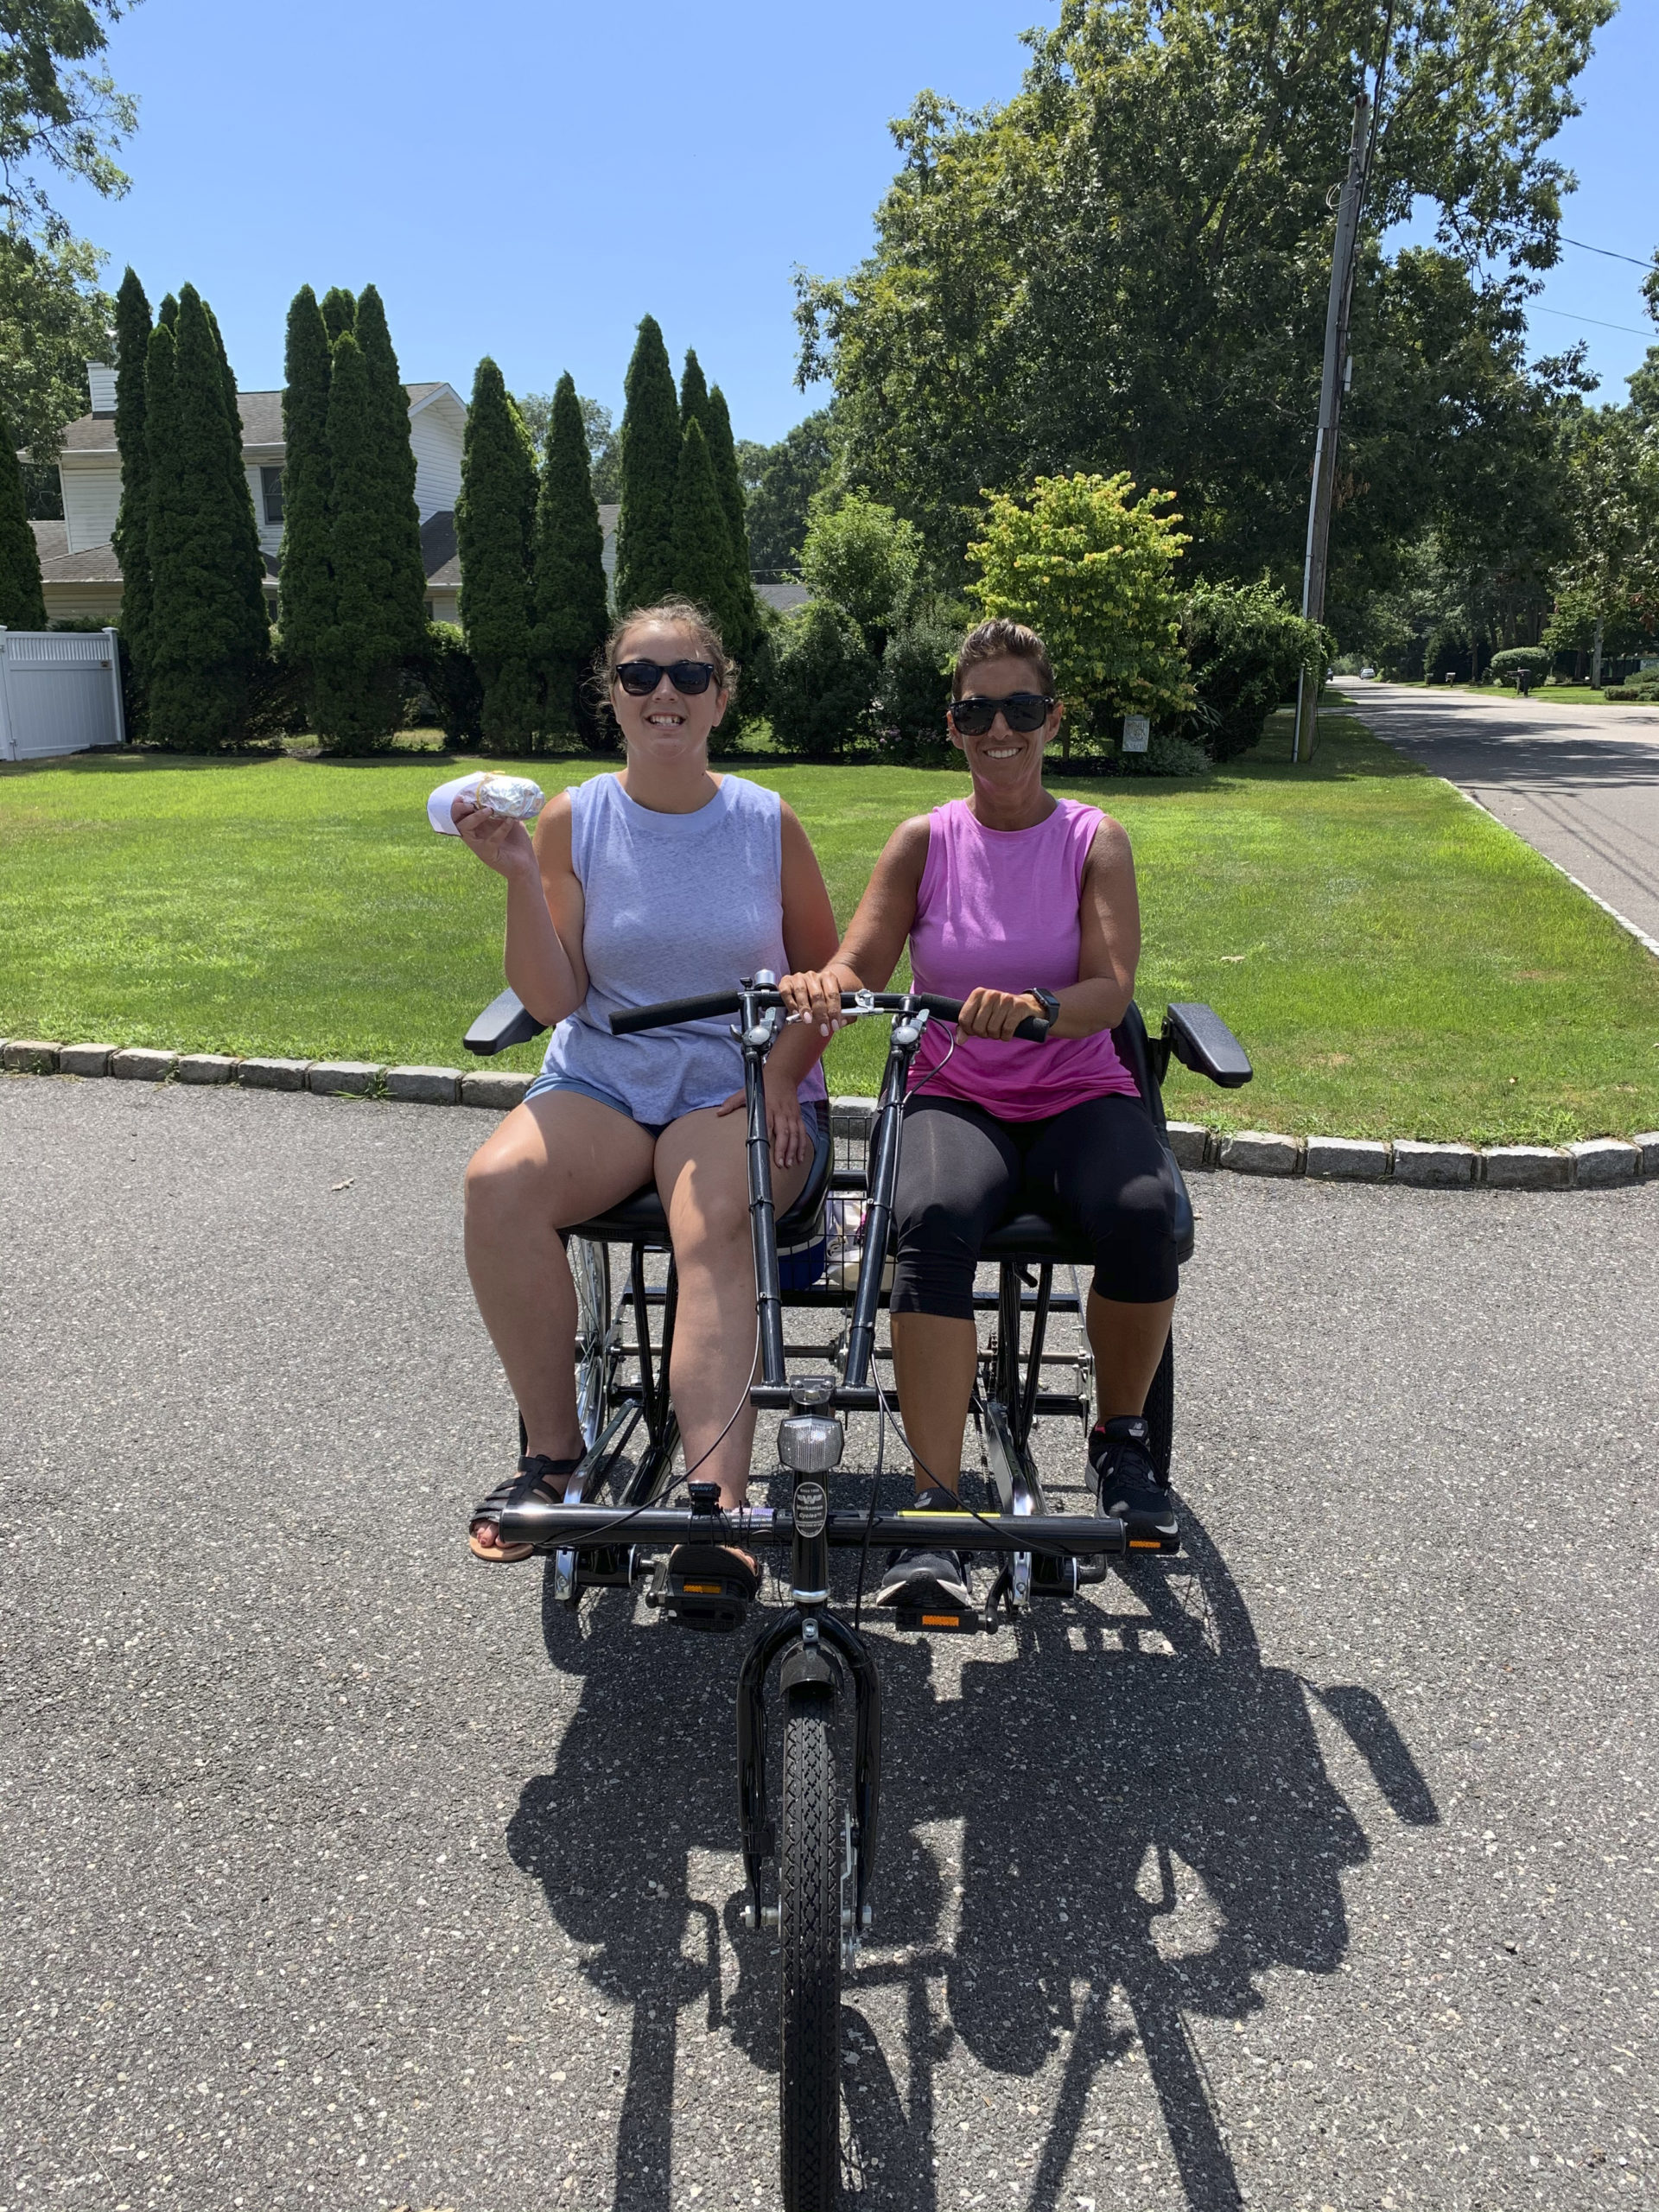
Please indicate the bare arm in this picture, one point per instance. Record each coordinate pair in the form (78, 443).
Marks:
(869, 952)
(542, 959)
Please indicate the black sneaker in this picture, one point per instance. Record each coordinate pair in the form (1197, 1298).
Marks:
(920, 1576)
(1120, 1454)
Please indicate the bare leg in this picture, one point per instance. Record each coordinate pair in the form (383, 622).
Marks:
(703, 1175)
(556, 1160)
(1128, 1342)
(934, 1357)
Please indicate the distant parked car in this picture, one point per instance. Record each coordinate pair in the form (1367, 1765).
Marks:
(1368, 671)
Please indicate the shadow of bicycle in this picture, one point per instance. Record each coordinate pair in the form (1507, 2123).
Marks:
(1148, 1828)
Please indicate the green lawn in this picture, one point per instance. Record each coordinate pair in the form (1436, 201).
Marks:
(1548, 695)
(1396, 963)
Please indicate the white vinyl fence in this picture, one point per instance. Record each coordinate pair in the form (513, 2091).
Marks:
(59, 692)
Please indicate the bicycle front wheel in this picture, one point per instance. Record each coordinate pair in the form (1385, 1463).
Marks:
(809, 1881)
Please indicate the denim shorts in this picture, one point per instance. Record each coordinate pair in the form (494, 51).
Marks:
(545, 1083)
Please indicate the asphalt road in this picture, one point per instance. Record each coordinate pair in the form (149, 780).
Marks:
(1315, 1870)
(1581, 783)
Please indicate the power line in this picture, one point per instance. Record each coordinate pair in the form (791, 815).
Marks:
(1607, 254)
(1566, 315)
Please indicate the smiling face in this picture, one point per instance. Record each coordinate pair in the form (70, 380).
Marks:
(667, 726)
(1006, 761)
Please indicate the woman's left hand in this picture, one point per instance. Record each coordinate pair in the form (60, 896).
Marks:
(786, 1123)
(996, 1014)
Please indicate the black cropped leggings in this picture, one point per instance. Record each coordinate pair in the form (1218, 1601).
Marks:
(1099, 1167)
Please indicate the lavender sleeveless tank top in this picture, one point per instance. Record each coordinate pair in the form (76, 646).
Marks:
(676, 905)
(1000, 908)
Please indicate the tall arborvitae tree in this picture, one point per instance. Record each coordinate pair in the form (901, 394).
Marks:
(131, 537)
(494, 519)
(339, 313)
(398, 528)
(723, 455)
(168, 313)
(22, 603)
(205, 640)
(700, 552)
(307, 576)
(651, 460)
(360, 655)
(250, 556)
(694, 393)
(568, 572)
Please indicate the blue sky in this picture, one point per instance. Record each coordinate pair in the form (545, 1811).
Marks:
(527, 178)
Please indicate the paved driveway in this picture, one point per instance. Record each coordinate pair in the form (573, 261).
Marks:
(1581, 784)
(1315, 1871)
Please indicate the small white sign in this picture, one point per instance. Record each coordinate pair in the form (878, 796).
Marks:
(1137, 733)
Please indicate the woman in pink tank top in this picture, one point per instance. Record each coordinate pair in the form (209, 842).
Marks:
(1018, 902)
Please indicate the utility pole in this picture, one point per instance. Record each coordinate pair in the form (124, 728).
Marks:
(1332, 384)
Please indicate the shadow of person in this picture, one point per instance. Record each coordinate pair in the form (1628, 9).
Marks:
(1155, 1817)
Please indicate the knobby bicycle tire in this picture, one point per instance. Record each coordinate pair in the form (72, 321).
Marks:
(809, 1879)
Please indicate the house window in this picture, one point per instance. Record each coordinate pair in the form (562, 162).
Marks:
(270, 486)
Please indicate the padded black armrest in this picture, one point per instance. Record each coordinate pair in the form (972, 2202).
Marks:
(1201, 1040)
(503, 1023)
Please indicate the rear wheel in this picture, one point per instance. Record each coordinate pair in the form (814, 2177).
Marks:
(590, 1270)
(809, 1883)
(1161, 1411)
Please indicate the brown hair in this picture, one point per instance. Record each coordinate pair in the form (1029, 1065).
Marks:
(1001, 639)
(674, 613)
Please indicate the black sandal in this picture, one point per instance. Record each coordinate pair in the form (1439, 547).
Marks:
(539, 1481)
(707, 1588)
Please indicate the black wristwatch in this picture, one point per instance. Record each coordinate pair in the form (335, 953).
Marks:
(1048, 1002)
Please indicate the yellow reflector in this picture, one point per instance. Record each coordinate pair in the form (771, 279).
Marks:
(701, 1589)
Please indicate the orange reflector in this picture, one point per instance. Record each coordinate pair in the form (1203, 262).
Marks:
(941, 1620)
(1140, 1544)
(701, 1589)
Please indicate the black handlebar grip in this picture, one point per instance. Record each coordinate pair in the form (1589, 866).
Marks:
(672, 1011)
(1034, 1029)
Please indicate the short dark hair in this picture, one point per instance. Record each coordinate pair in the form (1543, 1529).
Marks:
(1001, 639)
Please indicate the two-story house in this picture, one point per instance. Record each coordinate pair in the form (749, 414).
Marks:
(78, 569)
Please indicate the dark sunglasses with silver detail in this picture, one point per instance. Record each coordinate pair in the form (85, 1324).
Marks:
(1021, 710)
(639, 678)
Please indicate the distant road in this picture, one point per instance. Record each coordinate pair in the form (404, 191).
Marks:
(1579, 784)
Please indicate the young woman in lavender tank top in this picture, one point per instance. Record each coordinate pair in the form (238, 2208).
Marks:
(1019, 904)
(663, 882)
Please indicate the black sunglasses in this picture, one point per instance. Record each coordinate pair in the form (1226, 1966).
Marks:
(639, 678)
(1021, 710)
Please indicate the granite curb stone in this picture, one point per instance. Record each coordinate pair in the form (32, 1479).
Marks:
(1647, 1148)
(138, 1064)
(1347, 1160)
(1190, 1142)
(1433, 1166)
(85, 1059)
(29, 1056)
(420, 1086)
(1525, 1167)
(273, 1075)
(207, 1067)
(1259, 1152)
(1602, 1161)
(344, 1079)
(499, 1090)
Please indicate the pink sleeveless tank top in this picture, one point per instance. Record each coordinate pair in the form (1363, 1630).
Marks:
(999, 908)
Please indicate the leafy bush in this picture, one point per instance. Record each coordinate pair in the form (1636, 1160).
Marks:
(1166, 754)
(1644, 685)
(1090, 569)
(862, 558)
(1247, 644)
(909, 712)
(452, 684)
(821, 679)
(1504, 667)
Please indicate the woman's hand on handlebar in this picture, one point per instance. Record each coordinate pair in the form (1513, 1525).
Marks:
(501, 841)
(786, 1123)
(996, 1014)
(813, 996)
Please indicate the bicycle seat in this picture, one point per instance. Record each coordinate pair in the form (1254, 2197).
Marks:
(640, 1219)
(1033, 1237)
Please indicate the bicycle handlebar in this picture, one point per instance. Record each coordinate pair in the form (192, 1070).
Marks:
(670, 1012)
